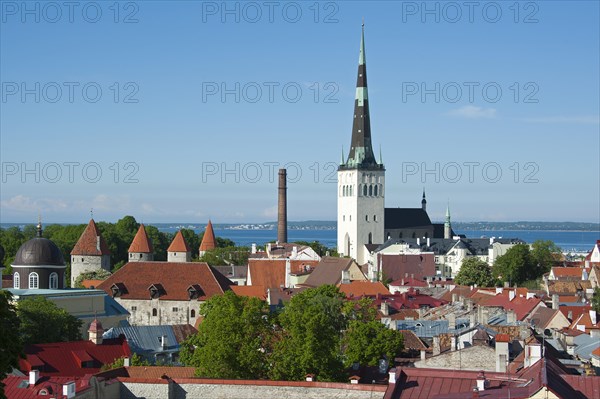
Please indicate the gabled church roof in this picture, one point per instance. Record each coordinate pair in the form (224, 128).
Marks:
(402, 218)
(208, 240)
(91, 242)
(141, 242)
(178, 244)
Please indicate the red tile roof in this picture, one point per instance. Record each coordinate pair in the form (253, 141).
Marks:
(65, 358)
(503, 338)
(178, 244)
(566, 272)
(141, 243)
(255, 291)
(522, 306)
(412, 341)
(362, 288)
(408, 282)
(208, 240)
(573, 312)
(91, 242)
(135, 278)
(91, 283)
(585, 321)
(588, 385)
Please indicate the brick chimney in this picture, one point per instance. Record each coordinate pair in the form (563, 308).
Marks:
(34, 376)
(282, 208)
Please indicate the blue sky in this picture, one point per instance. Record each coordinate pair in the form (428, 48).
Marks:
(494, 108)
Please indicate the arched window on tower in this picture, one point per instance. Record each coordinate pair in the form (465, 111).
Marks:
(351, 191)
(34, 280)
(365, 190)
(154, 312)
(192, 313)
(374, 218)
(370, 238)
(53, 281)
(370, 190)
(16, 280)
(375, 191)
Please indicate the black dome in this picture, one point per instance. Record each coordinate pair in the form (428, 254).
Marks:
(39, 251)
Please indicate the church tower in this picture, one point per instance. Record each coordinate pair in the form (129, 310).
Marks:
(90, 253)
(361, 180)
(447, 226)
(141, 249)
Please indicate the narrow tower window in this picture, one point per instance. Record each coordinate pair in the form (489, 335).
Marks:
(16, 280)
(34, 282)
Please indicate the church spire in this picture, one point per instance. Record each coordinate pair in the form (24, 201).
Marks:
(447, 225)
(424, 201)
(361, 150)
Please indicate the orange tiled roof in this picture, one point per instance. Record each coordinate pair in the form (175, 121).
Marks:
(91, 283)
(208, 240)
(178, 244)
(361, 288)
(135, 278)
(270, 273)
(255, 291)
(91, 242)
(141, 243)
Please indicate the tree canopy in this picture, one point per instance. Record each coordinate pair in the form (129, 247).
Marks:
(520, 264)
(233, 340)
(41, 321)
(11, 348)
(596, 300)
(474, 271)
(317, 332)
(100, 274)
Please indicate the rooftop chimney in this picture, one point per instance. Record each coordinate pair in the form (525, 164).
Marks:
(436, 346)
(282, 208)
(593, 317)
(163, 342)
(392, 379)
(555, 301)
(511, 317)
(512, 294)
(253, 248)
(345, 277)
(34, 376)
(482, 382)
(385, 308)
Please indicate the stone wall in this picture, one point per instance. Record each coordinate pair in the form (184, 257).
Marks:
(80, 264)
(190, 389)
(167, 312)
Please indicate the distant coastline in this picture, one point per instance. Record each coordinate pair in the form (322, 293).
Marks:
(332, 225)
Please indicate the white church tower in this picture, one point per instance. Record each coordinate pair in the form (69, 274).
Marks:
(361, 181)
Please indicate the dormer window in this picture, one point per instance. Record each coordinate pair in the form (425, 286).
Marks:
(195, 291)
(118, 289)
(156, 290)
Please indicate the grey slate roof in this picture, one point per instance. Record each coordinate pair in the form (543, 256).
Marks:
(146, 340)
(431, 328)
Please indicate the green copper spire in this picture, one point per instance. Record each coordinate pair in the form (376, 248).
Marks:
(362, 58)
(342, 161)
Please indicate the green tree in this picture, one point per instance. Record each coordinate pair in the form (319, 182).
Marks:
(367, 342)
(474, 271)
(596, 300)
(11, 348)
(192, 239)
(237, 256)
(233, 341)
(515, 266)
(543, 257)
(310, 342)
(91, 275)
(41, 321)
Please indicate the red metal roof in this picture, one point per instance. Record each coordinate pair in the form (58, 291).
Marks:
(175, 278)
(65, 358)
(521, 306)
(18, 387)
(141, 243)
(91, 242)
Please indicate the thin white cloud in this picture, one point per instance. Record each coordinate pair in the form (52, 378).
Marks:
(473, 112)
(23, 204)
(582, 120)
(270, 212)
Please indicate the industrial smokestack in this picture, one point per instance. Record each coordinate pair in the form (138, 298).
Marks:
(282, 208)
